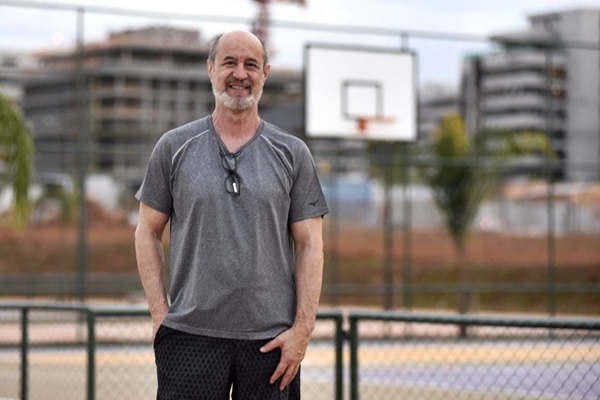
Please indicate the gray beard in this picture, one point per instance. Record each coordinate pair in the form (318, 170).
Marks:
(236, 104)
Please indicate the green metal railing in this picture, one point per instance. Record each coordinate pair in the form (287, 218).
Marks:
(89, 316)
(546, 330)
(390, 353)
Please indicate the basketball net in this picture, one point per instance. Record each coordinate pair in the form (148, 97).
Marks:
(363, 123)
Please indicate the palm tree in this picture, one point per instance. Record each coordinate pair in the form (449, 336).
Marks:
(16, 154)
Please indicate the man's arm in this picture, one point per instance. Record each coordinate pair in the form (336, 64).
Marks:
(151, 261)
(308, 248)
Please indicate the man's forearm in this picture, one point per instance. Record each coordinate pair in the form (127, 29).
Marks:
(309, 277)
(150, 261)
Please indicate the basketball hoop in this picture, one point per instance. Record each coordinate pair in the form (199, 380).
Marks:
(362, 123)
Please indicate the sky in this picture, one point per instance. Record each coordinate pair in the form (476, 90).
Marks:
(439, 61)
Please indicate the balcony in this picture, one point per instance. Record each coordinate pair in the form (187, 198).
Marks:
(521, 122)
(120, 113)
(116, 92)
(521, 59)
(514, 81)
(519, 102)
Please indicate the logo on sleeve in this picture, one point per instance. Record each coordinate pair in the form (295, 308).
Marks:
(314, 203)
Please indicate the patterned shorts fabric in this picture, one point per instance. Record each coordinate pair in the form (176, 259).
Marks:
(193, 367)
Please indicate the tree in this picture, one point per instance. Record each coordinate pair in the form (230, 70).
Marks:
(458, 185)
(462, 172)
(16, 154)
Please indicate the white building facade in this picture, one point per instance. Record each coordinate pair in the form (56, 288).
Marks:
(545, 79)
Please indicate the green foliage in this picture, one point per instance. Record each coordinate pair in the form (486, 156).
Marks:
(16, 153)
(463, 170)
(509, 144)
(451, 138)
(459, 185)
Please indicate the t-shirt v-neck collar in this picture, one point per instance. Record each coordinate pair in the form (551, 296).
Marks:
(222, 145)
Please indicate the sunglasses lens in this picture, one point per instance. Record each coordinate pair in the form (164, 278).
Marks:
(228, 161)
(232, 184)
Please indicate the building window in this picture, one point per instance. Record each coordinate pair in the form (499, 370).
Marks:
(106, 81)
(9, 61)
(557, 72)
(557, 91)
(130, 82)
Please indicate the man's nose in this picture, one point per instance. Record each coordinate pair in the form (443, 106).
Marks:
(240, 72)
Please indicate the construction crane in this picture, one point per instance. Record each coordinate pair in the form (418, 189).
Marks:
(263, 20)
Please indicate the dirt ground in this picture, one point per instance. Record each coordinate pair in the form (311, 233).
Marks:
(356, 259)
(436, 248)
(20, 248)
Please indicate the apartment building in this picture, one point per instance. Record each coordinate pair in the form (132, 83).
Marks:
(12, 66)
(133, 87)
(544, 79)
(435, 102)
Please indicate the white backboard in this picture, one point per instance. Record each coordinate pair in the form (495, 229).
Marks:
(346, 84)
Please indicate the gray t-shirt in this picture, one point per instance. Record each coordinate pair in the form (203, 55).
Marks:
(232, 266)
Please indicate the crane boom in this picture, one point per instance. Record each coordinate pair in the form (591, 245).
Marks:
(263, 20)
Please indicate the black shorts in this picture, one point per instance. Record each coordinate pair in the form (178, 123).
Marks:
(193, 367)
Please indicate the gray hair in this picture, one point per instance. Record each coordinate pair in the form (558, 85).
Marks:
(214, 47)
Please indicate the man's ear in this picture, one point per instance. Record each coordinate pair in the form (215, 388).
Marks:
(266, 70)
(210, 67)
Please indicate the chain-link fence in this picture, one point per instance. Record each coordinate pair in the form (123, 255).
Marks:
(50, 351)
(97, 109)
(529, 246)
(420, 356)
(47, 346)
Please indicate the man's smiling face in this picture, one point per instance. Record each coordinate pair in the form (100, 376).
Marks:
(238, 72)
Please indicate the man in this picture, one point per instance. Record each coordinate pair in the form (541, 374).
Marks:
(246, 211)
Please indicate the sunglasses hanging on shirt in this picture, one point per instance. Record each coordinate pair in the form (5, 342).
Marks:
(232, 182)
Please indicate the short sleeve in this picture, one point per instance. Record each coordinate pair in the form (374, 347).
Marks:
(307, 199)
(155, 190)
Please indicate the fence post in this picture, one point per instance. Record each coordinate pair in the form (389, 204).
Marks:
(24, 353)
(334, 223)
(406, 231)
(91, 355)
(551, 235)
(388, 231)
(464, 305)
(339, 357)
(354, 395)
(83, 133)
